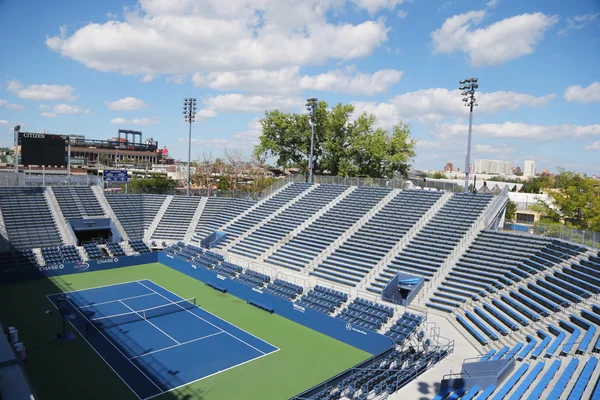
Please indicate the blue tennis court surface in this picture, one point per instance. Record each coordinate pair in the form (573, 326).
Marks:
(155, 340)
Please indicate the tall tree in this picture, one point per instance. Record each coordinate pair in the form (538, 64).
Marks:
(156, 184)
(575, 201)
(342, 146)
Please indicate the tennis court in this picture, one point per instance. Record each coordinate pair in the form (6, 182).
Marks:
(154, 340)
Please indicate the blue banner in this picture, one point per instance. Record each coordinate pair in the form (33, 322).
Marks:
(115, 175)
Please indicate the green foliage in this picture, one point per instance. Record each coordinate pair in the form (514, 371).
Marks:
(511, 210)
(341, 147)
(536, 185)
(262, 182)
(225, 183)
(439, 175)
(576, 201)
(156, 184)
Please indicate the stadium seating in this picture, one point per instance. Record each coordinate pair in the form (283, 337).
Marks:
(217, 212)
(426, 252)
(135, 211)
(284, 289)
(276, 229)
(366, 314)
(323, 299)
(60, 255)
(77, 202)
(139, 246)
(176, 219)
(357, 256)
(18, 259)
(18, 205)
(253, 278)
(302, 248)
(93, 251)
(404, 327)
(228, 269)
(115, 249)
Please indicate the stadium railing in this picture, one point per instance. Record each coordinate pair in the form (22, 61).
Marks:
(586, 238)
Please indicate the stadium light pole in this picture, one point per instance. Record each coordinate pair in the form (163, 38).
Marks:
(189, 112)
(311, 105)
(468, 87)
(16, 159)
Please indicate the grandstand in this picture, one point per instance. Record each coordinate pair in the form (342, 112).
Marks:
(520, 308)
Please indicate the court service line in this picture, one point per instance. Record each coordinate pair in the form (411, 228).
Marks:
(114, 301)
(103, 359)
(199, 317)
(144, 319)
(213, 374)
(176, 345)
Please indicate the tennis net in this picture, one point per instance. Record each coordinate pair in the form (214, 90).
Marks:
(140, 315)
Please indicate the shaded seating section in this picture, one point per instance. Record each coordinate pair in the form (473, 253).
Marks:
(18, 259)
(139, 246)
(426, 252)
(358, 255)
(511, 382)
(381, 377)
(18, 206)
(284, 289)
(302, 248)
(131, 209)
(323, 299)
(583, 379)
(228, 269)
(497, 260)
(60, 255)
(283, 224)
(77, 201)
(115, 249)
(253, 278)
(93, 251)
(175, 222)
(366, 314)
(404, 327)
(262, 211)
(217, 212)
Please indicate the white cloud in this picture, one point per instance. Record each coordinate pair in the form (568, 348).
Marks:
(3, 122)
(176, 79)
(350, 81)
(492, 3)
(434, 105)
(69, 109)
(43, 107)
(236, 102)
(284, 80)
(119, 121)
(252, 134)
(372, 6)
(494, 149)
(587, 95)
(205, 114)
(10, 106)
(402, 14)
(578, 22)
(43, 92)
(127, 104)
(518, 130)
(14, 86)
(217, 36)
(498, 43)
(593, 146)
(49, 115)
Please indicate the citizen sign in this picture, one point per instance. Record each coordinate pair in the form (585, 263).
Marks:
(35, 135)
(107, 261)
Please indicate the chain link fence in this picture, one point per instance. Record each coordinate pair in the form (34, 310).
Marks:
(585, 238)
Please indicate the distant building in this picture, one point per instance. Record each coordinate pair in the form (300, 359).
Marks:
(449, 167)
(494, 167)
(517, 171)
(528, 168)
(546, 174)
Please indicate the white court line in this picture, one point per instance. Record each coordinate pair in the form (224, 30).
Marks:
(114, 301)
(208, 312)
(97, 287)
(144, 319)
(176, 345)
(199, 317)
(214, 373)
(103, 359)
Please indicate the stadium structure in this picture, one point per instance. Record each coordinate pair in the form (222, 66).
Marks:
(315, 291)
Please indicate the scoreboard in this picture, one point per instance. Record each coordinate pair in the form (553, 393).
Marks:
(43, 149)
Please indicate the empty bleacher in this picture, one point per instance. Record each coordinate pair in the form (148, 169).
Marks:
(93, 251)
(284, 289)
(176, 220)
(366, 314)
(135, 211)
(217, 212)
(27, 217)
(60, 255)
(432, 245)
(139, 246)
(253, 278)
(276, 229)
(357, 256)
(18, 259)
(323, 299)
(404, 327)
(115, 249)
(77, 201)
(301, 249)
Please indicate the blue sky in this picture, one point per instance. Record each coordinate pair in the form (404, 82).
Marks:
(90, 68)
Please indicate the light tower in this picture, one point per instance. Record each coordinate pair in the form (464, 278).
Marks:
(468, 87)
(311, 105)
(189, 112)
